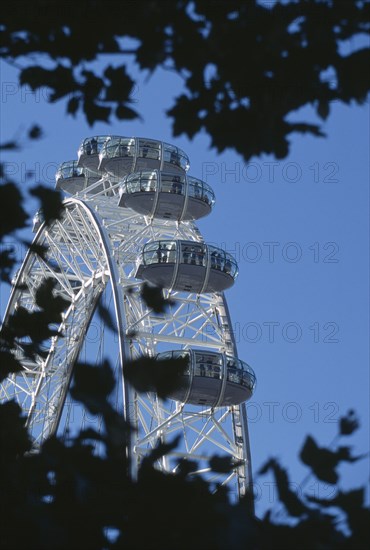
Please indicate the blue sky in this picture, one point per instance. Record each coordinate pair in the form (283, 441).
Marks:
(299, 230)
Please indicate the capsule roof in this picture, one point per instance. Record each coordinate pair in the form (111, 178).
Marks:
(119, 156)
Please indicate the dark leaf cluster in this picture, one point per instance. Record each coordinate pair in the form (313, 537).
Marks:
(246, 66)
(153, 297)
(68, 495)
(148, 374)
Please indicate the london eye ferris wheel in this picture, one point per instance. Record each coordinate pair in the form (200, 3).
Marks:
(129, 218)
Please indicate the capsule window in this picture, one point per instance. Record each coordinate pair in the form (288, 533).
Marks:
(184, 160)
(133, 184)
(112, 147)
(159, 252)
(165, 355)
(100, 140)
(230, 266)
(70, 170)
(148, 182)
(119, 147)
(175, 156)
(208, 365)
(172, 184)
(217, 256)
(193, 254)
(208, 195)
(247, 381)
(91, 146)
(149, 149)
(150, 255)
(94, 145)
(170, 252)
(248, 377)
(123, 149)
(195, 188)
(171, 155)
(234, 370)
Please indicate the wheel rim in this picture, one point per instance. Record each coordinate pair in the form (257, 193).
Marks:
(94, 243)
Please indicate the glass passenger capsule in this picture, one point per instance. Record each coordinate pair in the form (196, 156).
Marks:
(72, 178)
(212, 379)
(187, 266)
(167, 196)
(120, 156)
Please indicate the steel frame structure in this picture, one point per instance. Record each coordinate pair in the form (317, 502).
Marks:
(96, 245)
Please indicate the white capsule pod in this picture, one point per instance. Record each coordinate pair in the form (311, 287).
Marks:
(188, 266)
(212, 379)
(165, 195)
(72, 178)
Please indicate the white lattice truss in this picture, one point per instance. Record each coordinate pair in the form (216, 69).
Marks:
(95, 246)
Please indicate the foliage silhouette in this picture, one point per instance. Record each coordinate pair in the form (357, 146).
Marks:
(66, 495)
(323, 462)
(245, 66)
(153, 297)
(147, 374)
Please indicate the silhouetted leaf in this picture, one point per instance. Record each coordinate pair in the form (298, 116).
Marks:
(186, 467)
(349, 424)
(73, 105)
(51, 202)
(223, 464)
(7, 262)
(53, 305)
(125, 113)
(347, 500)
(304, 128)
(159, 451)
(59, 79)
(14, 438)
(293, 504)
(92, 385)
(95, 112)
(37, 248)
(8, 364)
(353, 75)
(12, 218)
(322, 461)
(323, 109)
(9, 146)
(147, 374)
(33, 324)
(121, 85)
(153, 297)
(118, 431)
(35, 132)
(90, 434)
